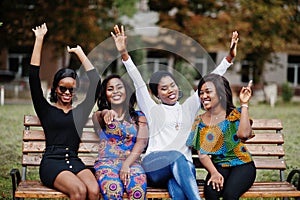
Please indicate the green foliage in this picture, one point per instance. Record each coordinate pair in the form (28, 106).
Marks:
(287, 92)
(127, 7)
(264, 26)
(69, 22)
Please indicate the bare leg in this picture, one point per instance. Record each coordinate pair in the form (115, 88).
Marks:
(88, 178)
(70, 184)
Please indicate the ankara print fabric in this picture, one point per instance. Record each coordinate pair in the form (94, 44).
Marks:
(115, 145)
(220, 140)
(111, 187)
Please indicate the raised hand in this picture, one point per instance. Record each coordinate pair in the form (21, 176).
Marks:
(233, 44)
(40, 31)
(246, 93)
(76, 49)
(82, 57)
(120, 39)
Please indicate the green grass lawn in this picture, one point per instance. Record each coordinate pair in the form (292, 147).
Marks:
(11, 118)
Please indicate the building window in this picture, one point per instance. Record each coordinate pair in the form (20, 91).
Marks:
(246, 71)
(293, 70)
(18, 63)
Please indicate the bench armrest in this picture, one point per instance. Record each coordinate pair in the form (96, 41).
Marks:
(15, 180)
(294, 178)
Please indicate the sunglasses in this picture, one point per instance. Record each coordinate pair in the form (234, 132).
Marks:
(63, 89)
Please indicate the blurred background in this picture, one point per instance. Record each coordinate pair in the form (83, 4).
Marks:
(187, 37)
(268, 50)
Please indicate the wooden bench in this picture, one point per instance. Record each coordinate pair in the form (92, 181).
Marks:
(266, 148)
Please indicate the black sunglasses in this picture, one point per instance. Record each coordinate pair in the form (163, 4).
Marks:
(63, 89)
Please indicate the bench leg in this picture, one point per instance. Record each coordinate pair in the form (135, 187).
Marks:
(294, 178)
(15, 180)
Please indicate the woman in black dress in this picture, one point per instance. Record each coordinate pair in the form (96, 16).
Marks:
(60, 167)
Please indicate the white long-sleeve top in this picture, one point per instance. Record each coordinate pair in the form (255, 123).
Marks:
(162, 119)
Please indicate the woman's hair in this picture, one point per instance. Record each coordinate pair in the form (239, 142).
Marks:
(156, 77)
(60, 74)
(129, 103)
(222, 88)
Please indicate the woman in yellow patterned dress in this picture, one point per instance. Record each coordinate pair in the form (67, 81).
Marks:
(218, 136)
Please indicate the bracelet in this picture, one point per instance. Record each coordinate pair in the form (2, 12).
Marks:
(245, 105)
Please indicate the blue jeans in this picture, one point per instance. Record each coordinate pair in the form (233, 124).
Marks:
(170, 169)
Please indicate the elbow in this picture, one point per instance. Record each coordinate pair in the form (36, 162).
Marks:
(245, 134)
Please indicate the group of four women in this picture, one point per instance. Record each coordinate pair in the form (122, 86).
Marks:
(163, 133)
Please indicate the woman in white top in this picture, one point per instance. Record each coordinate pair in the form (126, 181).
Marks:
(168, 160)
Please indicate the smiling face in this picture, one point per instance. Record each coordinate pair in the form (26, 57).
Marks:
(64, 96)
(209, 96)
(167, 90)
(115, 91)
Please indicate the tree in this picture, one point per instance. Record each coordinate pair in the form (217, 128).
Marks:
(264, 26)
(69, 22)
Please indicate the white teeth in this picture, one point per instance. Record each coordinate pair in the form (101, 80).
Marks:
(205, 102)
(67, 97)
(116, 97)
(173, 96)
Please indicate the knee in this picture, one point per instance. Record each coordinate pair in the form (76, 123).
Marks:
(176, 154)
(227, 195)
(211, 193)
(79, 191)
(112, 190)
(137, 192)
(93, 191)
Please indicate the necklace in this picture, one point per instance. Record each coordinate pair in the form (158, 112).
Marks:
(177, 126)
(213, 119)
(177, 120)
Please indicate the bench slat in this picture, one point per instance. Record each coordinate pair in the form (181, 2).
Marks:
(266, 138)
(33, 120)
(39, 147)
(269, 163)
(35, 189)
(87, 136)
(266, 150)
(267, 124)
(35, 159)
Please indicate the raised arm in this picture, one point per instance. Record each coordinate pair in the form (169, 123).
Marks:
(144, 99)
(244, 131)
(120, 41)
(227, 61)
(233, 47)
(82, 57)
(40, 32)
